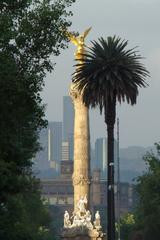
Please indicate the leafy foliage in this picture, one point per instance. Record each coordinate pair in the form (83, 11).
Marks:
(148, 210)
(23, 216)
(127, 225)
(30, 32)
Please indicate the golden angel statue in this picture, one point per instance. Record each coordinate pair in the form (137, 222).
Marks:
(79, 42)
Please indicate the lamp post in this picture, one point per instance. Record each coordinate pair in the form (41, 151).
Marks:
(118, 182)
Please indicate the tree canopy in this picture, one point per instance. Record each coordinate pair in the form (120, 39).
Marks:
(30, 33)
(148, 210)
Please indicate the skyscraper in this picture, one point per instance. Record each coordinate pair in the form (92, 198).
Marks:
(55, 144)
(68, 123)
(41, 158)
(101, 155)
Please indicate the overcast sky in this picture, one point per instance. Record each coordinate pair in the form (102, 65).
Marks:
(137, 21)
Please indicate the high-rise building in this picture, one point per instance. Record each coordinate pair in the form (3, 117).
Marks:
(101, 155)
(68, 123)
(55, 144)
(41, 160)
(65, 151)
(92, 158)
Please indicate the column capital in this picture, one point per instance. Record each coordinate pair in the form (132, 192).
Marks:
(80, 180)
(74, 93)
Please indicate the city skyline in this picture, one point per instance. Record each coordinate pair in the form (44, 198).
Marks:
(56, 151)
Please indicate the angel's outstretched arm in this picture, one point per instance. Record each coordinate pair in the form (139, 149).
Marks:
(72, 38)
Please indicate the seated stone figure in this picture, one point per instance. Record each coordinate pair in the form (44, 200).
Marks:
(88, 220)
(67, 222)
(97, 222)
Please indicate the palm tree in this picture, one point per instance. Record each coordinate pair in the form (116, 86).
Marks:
(110, 73)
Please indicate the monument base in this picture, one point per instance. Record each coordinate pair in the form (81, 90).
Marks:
(82, 233)
(79, 226)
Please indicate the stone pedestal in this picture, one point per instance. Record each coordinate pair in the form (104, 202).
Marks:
(82, 233)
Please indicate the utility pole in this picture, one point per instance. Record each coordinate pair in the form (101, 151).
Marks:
(118, 182)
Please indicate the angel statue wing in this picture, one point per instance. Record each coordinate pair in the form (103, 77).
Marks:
(86, 32)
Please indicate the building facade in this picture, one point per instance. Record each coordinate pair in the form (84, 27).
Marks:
(68, 123)
(41, 159)
(101, 156)
(65, 151)
(55, 144)
(59, 194)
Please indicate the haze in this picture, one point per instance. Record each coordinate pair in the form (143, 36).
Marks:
(134, 20)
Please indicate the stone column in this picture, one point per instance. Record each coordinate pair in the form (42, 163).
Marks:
(81, 177)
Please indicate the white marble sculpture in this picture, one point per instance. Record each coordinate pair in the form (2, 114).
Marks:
(67, 222)
(82, 205)
(88, 220)
(97, 222)
(82, 217)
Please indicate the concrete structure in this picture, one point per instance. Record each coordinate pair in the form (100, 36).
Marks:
(41, 159)
(101, 156)
(66, 169)
(65, 151)
(68, 123)
(81, 178)
(55, 144)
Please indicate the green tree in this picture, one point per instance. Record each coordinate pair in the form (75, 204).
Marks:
(108, 74)
(30, 32)
(127, 225)
(148, 209)
(24, 216)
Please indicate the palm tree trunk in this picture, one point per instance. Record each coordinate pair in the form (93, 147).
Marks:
(110, 115)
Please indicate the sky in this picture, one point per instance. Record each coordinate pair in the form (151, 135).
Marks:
(138, 22)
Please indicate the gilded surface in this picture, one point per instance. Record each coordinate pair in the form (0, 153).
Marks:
(79, 43)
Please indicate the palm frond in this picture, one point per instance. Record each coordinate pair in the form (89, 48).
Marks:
(108, 69)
